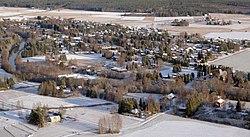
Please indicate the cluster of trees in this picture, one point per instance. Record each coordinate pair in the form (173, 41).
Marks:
(39, 71)
(149, 106)
(219, 22)
(176, 22)
(38, 116)
(184, 62)
(48, 88)
(177, 68)
(110, 124)
(228, 46)
(193, 103)
(126, 105)
(6, 83)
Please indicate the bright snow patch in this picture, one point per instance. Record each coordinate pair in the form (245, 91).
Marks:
(25, 84)
(77, 76)
(167, 72)
(83, 56)
(34, 59)
(172, 18)
(229, 35)
(5, 74)
(132, 18)
(189, 129)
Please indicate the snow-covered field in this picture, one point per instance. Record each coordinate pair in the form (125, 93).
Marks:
(83, 56)
(189, 128)
(86, 124)
(137, 21)
(30, 99)
(132, 18)
(229, 35)
(17, 11)
(172, 18)
(68, 11)
(167, 72)
(69, 57)
(34, 59)
(25, 84)
(86, 121)
(239, 61)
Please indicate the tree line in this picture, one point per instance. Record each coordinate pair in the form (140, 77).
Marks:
(155, 8)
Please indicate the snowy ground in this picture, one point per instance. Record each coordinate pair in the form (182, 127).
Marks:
(69, 57)
(25, 84)
(172, 18)
(83, 56)
(17, 11)
(28, 98)
(166, 72)
(132, 18)
(229, 35)
(86, 121)
(34, 59)
(171, 126)
(78, 76)
(238, 60)
(4, 74)
(138, 21)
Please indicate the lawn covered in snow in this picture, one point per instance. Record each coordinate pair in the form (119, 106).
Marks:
(170, 72)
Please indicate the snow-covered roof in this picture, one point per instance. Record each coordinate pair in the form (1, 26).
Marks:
(220, 100)
(171, 96)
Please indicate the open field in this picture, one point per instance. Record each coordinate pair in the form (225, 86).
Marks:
(229, 35)
(141, 21)
(239, 61)
(173, 126)
(83, 121)
(69, 57)
(85, 118)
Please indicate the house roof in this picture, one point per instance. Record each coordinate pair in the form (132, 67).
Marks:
(171, 96)
(220, 100)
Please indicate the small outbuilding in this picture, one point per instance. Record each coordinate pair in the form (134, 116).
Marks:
(219, 102)
(54, 119)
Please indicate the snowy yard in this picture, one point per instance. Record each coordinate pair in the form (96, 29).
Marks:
(170, 72)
